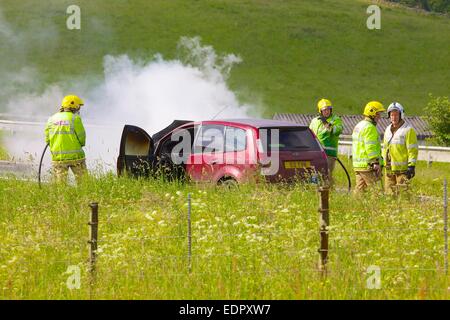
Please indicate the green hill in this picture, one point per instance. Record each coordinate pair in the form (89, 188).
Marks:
(442, 6)
(294, 52)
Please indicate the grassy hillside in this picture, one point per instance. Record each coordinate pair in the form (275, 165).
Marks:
(442, 6)
(294, 52)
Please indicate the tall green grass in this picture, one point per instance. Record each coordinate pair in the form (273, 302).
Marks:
(255, 242)
(3, 153)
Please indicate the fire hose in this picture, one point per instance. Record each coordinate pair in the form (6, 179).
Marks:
(346, 172)
(40, 165)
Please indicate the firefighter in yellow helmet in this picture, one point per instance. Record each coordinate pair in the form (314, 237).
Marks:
(366, 147)
(327, 127)
(400, 150)
(66, 137)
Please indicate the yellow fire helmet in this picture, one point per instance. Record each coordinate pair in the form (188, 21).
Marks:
(72, 102)
(323, 104)
(372, 108)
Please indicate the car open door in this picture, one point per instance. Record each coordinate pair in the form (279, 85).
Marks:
(136, 152)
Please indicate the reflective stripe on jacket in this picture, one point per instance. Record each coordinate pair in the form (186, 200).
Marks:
(366, 146)
(328, 138)
(402, 147)
(66, 136)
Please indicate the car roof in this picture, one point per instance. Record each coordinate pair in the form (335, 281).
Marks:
(175, 124)
(250, 122)
(257, 123)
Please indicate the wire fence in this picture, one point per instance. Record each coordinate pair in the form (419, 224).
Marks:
(196, 259)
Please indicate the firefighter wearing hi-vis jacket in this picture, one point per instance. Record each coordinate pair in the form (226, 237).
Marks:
(400, 150)
(66, 138)
(366, 147)
(327, 127)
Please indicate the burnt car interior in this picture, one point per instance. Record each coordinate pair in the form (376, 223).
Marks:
(166, 154)
(142, 155)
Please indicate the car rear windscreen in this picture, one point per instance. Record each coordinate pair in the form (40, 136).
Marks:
(288, 139)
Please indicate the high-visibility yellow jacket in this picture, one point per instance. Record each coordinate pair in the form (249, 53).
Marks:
(366, 146)
(66, 136)
(328, 138)
(400, 150)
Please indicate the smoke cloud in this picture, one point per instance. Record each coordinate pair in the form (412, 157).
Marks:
(150, 94)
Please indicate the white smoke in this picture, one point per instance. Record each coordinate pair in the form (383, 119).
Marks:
(16, 44)
(150, 94)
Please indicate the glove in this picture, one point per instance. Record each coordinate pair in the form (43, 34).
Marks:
(323, 119)
(411, 172)
(325, 123)
(377, 169)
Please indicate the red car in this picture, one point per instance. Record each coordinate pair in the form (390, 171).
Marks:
(224, 151)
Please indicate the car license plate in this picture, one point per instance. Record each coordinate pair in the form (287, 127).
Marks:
(297, 164)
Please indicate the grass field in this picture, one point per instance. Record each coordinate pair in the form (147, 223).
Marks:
(294, 52)
(255, 242)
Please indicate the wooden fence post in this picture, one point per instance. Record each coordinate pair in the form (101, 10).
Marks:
(324, 221)
(445, 228)
(93, 237)
(189, 235)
